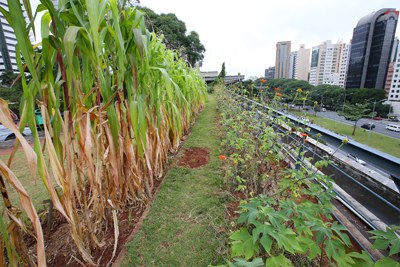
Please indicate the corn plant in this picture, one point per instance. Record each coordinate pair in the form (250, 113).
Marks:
(114, 102)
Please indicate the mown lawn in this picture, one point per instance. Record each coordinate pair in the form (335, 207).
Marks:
(381, 142)
(186, 224)
(33, 185)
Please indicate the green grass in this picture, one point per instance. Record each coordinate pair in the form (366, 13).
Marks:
(378, 141)
(34, 186)
(186, 224)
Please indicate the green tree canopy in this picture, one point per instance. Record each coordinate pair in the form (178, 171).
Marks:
(355, 113)
(174, 31)
(222, 73)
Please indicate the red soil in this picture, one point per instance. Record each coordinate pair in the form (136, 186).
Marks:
(195, 157)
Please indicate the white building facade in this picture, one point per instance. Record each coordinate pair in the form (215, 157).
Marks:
(328, 63)
(302, 65)
(394, 92)
(343, 64)
(8, 60)
(292, 64)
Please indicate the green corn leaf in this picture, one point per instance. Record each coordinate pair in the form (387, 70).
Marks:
(69, 41)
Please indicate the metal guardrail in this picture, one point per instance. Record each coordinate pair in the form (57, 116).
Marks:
(366, 218)
(391, 163)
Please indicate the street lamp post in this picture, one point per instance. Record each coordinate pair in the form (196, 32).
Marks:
(373, 109)
(372, 117)
(344, 100)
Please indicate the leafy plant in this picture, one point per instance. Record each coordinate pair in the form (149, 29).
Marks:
(388, 239)
(117, 103)
(292, 219)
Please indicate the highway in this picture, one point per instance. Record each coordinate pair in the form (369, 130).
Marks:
(380, 125)
(374, 207)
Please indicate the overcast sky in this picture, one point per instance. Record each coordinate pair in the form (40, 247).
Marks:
(243, 34)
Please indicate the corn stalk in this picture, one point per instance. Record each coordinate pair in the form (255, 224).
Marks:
(114, 102)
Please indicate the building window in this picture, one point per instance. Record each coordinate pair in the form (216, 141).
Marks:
(391, 96)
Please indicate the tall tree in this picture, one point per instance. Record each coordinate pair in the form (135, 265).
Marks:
(222, 73)
(174, 32)
(355, 113)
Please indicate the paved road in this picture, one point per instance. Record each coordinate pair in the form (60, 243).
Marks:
(380, 125)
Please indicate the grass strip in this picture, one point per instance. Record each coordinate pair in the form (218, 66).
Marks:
(378, 141)
(186, 224)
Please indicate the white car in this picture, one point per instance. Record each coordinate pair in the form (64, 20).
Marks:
(393, 127)
(356, 159)
(6, 134)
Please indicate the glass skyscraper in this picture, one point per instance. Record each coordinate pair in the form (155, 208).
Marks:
(371, 48)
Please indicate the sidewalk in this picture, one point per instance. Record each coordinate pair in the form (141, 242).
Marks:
(186, 223)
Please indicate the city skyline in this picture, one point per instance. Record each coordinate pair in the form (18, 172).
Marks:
(244, 35)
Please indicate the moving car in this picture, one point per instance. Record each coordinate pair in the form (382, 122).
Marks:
(393, 127)
(368, 126)
(6, 134)
(378, 118)
(356, 159)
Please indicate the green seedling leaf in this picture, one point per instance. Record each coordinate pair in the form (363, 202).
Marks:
(387, 262)
(262, 232)
(257, 262)
(278, 261)
(243, 244)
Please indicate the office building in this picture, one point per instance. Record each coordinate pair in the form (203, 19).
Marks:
(343, 64)
(292, 64)
(282, 60)
(269, 73)
(8, 60)
(327, 61)
(302, 64)
(394, 87)
(390, 71)
(371, 47)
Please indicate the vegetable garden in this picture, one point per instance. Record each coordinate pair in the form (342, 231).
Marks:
(285, 212)
(114, 101)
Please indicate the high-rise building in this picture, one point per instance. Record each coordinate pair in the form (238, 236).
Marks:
(327, 60)
(302, 65)
(270, 73)
(394, 87)
(282, 60)
(343, 64)
(390, 71)
(371, 47)
(8, 60)
(292, 64)
(7, 43)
